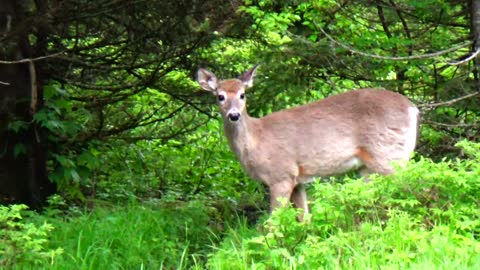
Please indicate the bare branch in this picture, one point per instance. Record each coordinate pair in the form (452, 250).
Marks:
(33, 87)
(472, 56)
(28, 60)
(430, 106)
(394, 58)
(459, 125)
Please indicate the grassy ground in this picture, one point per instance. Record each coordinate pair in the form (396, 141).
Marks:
(426, 216)
(149, 236)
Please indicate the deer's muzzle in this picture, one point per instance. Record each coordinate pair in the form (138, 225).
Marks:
(234, 116)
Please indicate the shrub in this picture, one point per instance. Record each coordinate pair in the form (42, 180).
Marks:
(23, 242)
(424, 216)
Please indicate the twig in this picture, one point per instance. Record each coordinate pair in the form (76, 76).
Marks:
(394, 58)
(27, 60)
(33, 87)
(449, 102)
(456, 63)
(459, 125)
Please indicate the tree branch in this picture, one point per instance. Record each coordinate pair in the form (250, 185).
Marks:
(430, 106)
(459, 125)
(27, 60)
(393, 58)
(470, 57)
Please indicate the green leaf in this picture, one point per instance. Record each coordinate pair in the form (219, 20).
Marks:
(18, 126)
(19, 149)
(49, 91)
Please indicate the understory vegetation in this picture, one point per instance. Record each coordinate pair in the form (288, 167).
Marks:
(427, 215)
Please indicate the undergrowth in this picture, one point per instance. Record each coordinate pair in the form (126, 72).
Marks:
(136, 236)
(426, 216)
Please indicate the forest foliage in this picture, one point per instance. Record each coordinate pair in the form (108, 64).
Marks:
(144, 174)
(307, 50)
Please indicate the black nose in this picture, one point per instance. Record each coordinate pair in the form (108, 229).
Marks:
(234, 116)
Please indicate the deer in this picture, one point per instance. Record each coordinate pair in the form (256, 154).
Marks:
(363, 130)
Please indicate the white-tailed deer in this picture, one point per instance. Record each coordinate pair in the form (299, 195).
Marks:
(364, 129)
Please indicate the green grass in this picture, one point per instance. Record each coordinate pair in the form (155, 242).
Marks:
(136, 236)
(426, 216)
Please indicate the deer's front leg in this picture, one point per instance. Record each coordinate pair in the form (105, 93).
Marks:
(278, 190)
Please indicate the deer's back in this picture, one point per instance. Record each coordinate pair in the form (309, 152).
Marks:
(322, 137)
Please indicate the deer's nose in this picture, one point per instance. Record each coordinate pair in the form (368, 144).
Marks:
(234, 116)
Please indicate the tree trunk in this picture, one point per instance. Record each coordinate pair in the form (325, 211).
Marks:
(475, 29)
(23, 174)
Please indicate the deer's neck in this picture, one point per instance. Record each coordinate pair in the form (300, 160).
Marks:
(241, 136)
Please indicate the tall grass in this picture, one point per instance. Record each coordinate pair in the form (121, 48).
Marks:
(136, 236)
(426, 216)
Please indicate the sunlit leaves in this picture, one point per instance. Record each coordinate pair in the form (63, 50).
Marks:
(273, 24)
(22, 241)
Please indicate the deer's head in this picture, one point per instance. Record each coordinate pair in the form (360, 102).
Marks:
(230, 94)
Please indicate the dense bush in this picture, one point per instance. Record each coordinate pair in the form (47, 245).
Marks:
(23, 242)
(425, 215)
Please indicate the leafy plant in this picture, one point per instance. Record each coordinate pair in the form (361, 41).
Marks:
(23, 243)
(425, 214)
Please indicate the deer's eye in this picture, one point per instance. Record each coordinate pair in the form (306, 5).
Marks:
(242, 96)
(221, 97)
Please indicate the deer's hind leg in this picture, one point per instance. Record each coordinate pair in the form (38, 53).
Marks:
(299, 199)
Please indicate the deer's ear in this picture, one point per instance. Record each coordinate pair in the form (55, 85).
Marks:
(247, 77)
(207, 80)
